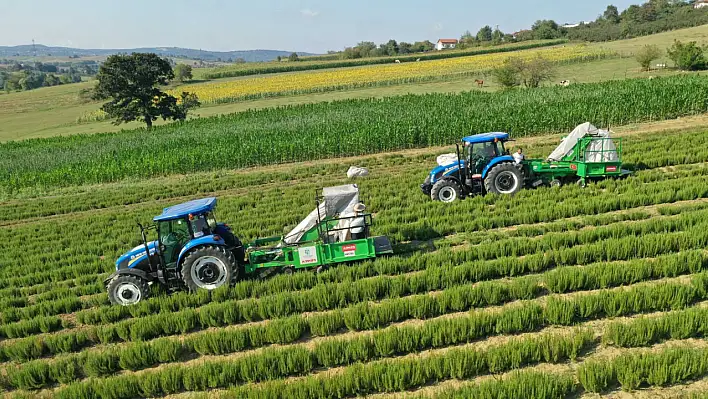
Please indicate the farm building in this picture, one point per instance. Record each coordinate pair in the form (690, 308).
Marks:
(445, 43)
(700, 4)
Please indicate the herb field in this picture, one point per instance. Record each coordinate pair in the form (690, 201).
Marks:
(353, 127)
(552, 293)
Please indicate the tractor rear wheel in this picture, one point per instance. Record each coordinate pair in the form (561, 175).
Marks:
(445, 191)
(208, 268)
(504, 178)
(127, 290)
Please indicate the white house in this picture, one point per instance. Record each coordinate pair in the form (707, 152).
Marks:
(700, 4)
(445, 43)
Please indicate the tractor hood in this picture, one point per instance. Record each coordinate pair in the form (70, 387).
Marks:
(135, 256)
(441, 171)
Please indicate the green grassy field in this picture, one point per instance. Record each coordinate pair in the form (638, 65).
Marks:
(53, 111)
(550, 291)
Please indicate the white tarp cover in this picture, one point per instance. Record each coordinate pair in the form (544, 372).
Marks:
(601, 150)
(593, 151)
(337, 200)
(446, 159)
(357, 171)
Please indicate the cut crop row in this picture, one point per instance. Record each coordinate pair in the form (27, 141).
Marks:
(529, 316)
(668, 366)
(379, 376)
(340, 294)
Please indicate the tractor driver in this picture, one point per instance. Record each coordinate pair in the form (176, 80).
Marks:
(518, 156)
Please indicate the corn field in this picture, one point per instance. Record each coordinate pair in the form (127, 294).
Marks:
(338, 129)
(550, 293)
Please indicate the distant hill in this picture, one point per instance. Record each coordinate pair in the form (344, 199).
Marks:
(175, 52)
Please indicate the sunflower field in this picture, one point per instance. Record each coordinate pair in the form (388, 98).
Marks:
(371, 76)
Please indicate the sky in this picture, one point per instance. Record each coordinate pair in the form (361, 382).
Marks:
(293, 25)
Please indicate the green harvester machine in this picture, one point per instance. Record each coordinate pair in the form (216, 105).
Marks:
(336, 231)
(195, 252)
(586, 153)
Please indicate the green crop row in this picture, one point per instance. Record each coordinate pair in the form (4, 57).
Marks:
(519, 384)
(643, 150)
(669, 366)
(328, 295)
(388, 375)
(644, 331)
(528, 317)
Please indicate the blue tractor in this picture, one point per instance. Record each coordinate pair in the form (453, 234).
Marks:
(192, 251)
(483, 165)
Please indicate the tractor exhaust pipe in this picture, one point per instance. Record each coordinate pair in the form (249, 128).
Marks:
(147, 249)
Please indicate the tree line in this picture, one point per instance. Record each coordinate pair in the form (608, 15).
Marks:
(654, 16)
(20, 76)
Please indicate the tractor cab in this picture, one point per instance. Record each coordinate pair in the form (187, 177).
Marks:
(191, 250)
(179, 227)
(481, 152)
(482, 165)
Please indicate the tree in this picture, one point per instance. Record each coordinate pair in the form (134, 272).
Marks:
(546, 29)
(189, 101)
(515, 71)
(365, 49)
(279, 58)
(536, 71)
(508, 74)
(391, 48)
(183, 72)
(293, 57)
(405, 48)
(497, 36)
(51, 80)
(423, 46)
(611, 14)
(485, 34)
(687, 56)
(467, 40)
(646, 55)
(130, 83)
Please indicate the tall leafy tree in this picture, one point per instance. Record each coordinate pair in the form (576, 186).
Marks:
(546, 29)
(687, 56)
(183, 72)
(391, 48)
(130, 83)
(497, 36)
(485, 34)
(611, 14)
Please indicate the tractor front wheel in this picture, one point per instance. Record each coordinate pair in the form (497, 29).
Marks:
(208, 268)
(127, 290)
(504, 178)
(445, 191)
